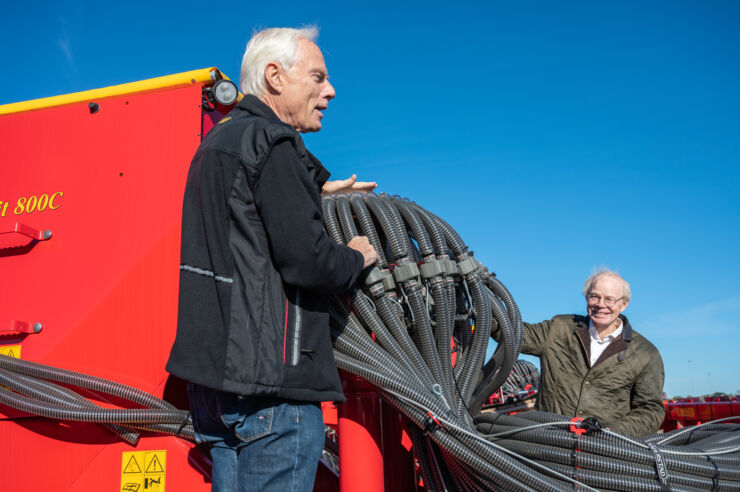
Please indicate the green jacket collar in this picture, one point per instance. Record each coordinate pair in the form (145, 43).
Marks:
(619, 345)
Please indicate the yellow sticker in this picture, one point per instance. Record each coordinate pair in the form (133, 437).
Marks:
(143, 471)
(689, 412)
(11, 351)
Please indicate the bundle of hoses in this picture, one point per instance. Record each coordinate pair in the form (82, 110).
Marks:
(395, 331)
(34, 388)
(524, 376)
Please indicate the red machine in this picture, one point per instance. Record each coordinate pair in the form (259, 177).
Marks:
(90, 203)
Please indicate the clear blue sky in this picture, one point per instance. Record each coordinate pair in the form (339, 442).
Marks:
(555, 136)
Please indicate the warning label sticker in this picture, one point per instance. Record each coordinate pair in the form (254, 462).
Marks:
(154, 465)
(132, 466)
(143, 471)
(11, 350)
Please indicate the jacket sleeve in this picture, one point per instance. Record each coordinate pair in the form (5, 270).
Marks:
(646, 401)
(286, 196)
(534, 336)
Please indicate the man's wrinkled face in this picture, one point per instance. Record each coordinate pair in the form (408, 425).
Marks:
(605, 301)
(307, 90)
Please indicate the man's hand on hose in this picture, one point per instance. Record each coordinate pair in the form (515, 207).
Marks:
(348, 185)
(361, 244)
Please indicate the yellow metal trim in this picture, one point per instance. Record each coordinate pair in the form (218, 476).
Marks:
(202, 76)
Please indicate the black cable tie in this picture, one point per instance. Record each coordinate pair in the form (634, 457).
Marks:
(575, 450)
(496, 416)
(187, 420)
(660, 467)
(715, 481)
(575, 475)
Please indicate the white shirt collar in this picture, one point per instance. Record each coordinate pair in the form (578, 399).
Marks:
(597, 344)
(608, 338)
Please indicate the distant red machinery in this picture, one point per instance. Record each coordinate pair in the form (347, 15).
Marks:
(686, 412)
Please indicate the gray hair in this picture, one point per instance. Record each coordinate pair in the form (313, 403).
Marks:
(605, 272)
(278, 45)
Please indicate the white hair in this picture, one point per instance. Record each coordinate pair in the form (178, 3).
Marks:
(605, 272)
(278, 45)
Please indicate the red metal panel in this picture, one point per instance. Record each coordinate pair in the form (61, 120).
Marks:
(721, 409)
(398, 456)
(704, 409)
(108, 185)
(360, 459)
(735, 409)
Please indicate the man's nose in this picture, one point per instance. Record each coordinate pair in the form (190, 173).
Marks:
(329, 92)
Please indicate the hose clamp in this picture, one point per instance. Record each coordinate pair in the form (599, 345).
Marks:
(451, 268)
(468, 265)
(432, 268)
(575, 426)
(405, 272)
(377, 275)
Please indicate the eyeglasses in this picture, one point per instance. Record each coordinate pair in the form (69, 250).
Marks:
(608, 301)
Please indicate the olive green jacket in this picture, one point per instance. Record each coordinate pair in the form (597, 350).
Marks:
(623, 389)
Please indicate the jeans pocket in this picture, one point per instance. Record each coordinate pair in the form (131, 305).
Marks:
(251, 419)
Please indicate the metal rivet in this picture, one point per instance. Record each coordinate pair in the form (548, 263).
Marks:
(37, 327)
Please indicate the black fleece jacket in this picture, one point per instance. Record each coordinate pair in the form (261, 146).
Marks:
(256, 264)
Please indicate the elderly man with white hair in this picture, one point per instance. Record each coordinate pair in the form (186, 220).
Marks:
(597, 365)
(256, 271)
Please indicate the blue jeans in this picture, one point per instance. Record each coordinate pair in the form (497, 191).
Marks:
(258, 443)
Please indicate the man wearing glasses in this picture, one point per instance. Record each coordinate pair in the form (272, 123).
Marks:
(596, 365)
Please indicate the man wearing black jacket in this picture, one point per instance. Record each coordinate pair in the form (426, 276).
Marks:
(256, 271)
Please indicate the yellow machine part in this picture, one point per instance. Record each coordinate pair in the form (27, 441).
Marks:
(204, 76)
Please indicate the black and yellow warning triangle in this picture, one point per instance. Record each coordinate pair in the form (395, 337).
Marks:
(132, 466)
(154, 466)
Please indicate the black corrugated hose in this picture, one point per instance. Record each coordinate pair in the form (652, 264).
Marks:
(395, 330)
(30, 387)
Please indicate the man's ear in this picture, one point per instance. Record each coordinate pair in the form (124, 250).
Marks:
(274, 77)
(624, 305)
